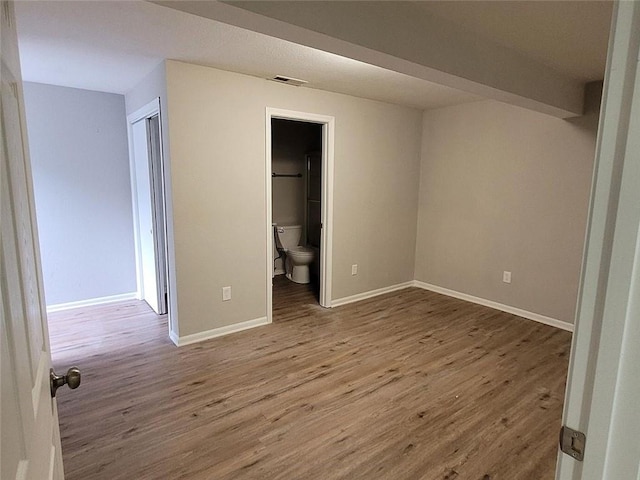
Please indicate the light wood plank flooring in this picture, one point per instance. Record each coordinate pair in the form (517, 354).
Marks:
(409, 385)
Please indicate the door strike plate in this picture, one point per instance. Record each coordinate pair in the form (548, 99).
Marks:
(572, 443)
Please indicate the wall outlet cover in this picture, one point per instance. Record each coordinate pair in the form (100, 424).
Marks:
(354, 269)
(226, 293)
(506, 277)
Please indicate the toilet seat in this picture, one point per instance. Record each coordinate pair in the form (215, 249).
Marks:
(300, 250)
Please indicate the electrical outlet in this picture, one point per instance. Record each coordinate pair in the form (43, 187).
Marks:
(226, 293)
(506, 277)
(354, 269)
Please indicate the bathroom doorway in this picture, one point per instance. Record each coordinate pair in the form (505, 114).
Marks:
(299, 189)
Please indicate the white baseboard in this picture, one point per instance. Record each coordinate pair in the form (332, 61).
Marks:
(217, 332)
(371, 293)
(92, 302)
(498, 306)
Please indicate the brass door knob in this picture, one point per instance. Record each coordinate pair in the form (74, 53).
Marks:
(72, 379)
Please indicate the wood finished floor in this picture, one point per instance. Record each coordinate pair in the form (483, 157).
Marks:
(409, 385)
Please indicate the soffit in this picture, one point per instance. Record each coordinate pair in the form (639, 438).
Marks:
(110, 46)
(569, 36)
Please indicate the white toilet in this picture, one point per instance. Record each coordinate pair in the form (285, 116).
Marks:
(297, 257)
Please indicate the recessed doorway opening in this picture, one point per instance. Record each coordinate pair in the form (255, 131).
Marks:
(299, 176)
(149, 206)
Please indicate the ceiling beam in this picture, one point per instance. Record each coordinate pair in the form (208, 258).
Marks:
(400, 37)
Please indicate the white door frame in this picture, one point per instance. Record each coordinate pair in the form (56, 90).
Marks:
(148, 111)
(326, 254)
(603, 384)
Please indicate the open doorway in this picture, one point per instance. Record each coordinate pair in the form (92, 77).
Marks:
(148, 199)
(299, 166)
(296, 193)
(80, 158)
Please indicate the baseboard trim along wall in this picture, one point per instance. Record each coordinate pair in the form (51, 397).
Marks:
(238, 327)
(498, 306)
(217, 332)
(92, 302)
(459, 295)
(371, 293)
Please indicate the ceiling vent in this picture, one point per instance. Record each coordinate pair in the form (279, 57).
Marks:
(296, 82)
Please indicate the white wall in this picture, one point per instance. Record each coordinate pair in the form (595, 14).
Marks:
(504, 188)
(79, 153)
(217, 141)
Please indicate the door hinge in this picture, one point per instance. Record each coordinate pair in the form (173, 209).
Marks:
(572, 443)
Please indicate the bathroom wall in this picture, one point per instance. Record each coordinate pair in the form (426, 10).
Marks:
(80, 160)
(217, 140)
(504, 188)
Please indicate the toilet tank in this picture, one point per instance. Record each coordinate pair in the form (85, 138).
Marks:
(289, 235)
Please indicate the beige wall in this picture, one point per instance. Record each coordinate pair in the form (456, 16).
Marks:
(503, 188)
(217, 141)
(493, 187)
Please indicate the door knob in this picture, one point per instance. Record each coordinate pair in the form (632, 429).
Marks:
(72, 379)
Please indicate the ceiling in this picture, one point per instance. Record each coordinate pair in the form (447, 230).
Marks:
(110, 46)
(568, 36)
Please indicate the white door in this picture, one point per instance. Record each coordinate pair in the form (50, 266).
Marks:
(145, 218)
(158, 210)
(603, 385)
(30, 447)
